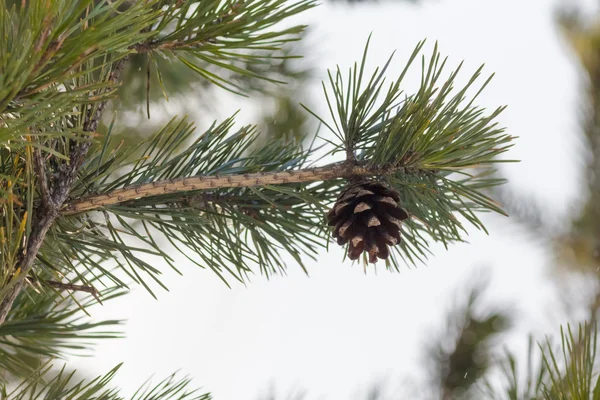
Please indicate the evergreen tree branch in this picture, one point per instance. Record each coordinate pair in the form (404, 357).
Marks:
(230, 35)
(274, 220)
(328, 172)
(46, 213)
(426, 147)
(44, 323)
(49, 55)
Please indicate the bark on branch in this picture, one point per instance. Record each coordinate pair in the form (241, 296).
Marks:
(39, 165)
(75, 288)
(67, 286)
(328, 172)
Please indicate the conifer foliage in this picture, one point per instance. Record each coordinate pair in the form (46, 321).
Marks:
(81, 213)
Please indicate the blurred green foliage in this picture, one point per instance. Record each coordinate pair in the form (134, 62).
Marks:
(463, 352)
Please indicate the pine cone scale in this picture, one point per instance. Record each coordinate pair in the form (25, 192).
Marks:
(345, 226)
(373, 221)
(383, 200)
(362, 206)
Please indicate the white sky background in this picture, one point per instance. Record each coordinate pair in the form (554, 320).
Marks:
(340, 330)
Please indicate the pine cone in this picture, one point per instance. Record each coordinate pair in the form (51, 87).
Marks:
(366, 215)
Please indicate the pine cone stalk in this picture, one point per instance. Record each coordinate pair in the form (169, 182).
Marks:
(366, 216)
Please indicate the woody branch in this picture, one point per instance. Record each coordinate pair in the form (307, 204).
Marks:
(117, 196)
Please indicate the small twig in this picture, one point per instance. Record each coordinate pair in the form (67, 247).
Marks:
(73, 288)
(118, 196)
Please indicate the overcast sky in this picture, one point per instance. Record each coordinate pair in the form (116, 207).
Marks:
(340, 330)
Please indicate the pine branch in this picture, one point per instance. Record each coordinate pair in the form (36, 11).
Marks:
(328, 172)
(423, 146)
(75, 288)
(72, 287)
(46, 213)
(220, 33)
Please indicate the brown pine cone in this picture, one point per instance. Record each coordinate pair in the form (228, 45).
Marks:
(366, 215)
